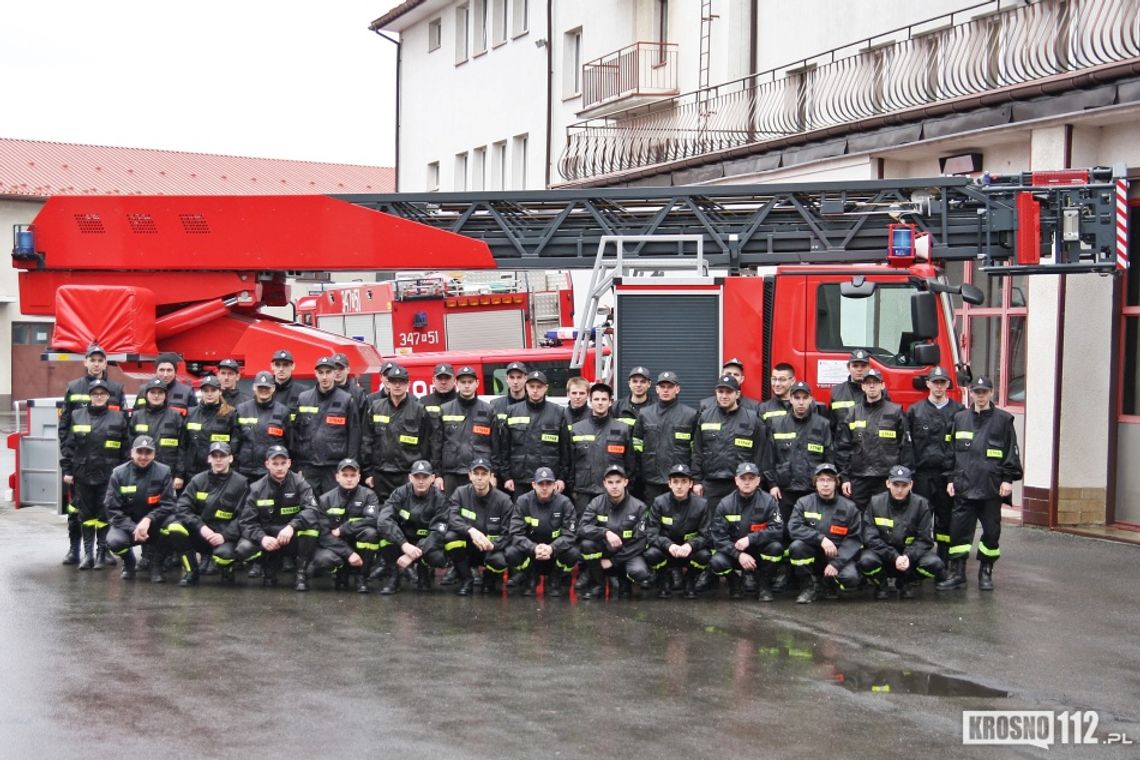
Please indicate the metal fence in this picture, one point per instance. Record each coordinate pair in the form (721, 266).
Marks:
(643, 68)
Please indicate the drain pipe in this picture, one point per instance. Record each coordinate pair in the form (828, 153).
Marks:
(1059, 368)
(549, 91)
(399, 63)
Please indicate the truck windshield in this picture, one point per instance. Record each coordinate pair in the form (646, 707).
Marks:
(881, 323)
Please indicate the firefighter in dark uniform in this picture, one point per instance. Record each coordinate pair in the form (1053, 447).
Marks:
(577, 400)
(629, 407)
(543, 537)
(532, 435)
(279, 517)
(229, 372)
(262, 422)
(663, 437)
(929, 422)
(349, 537)
(94, 445)
(847, 394)
(140, 502)
(727, 434)
(212, 421)
(987, 462)
(210, 506)
(898, 533)
(827, 536)
(748, 535)
(478, 530)
(734, 368)
(287, 391)
(596, 442)
(516, 373)
(412, 524)
(347, 383)
(874, 439)
(677, 534)
(443, 389)
(179, 396)
(467, 424)
(75, 397)
(780, 384)
(611, 537)
(397, 432)
(156, 419)
(326, 430)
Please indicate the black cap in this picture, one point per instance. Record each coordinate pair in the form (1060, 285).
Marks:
(668, 376)
(747, 468)
(229, 364)
(639, 370)
(325, 361)
(340, 360)
(98, 384)
(466, 371)
(900, 474)
(733, 362)
(277, 451)
(800, 386)
(938, 374)
(538, 375)
(444, 369)
(95, 349)
(263, 380)
(982, 383)
(346, 463)
(167, 356)
(614, 469)
(728, 381)
(480, 462)
(602, 387)
(859, 355)
(282, 355)
(210, 380)
(872, 374)
(680, 471)
(386, 367)
(221, 446)
(422, 467)
(396, 372)
(519, 366)
(544, 475)
(826, 467)
(154, 384)
(143, 442)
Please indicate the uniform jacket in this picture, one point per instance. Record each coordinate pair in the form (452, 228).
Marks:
(215, 500)
(929, 431)
(891, 528)
(179, 396)
(757, 517)
(259, 427)
(814, 519)
(725, 439)
(532, 436)
(396, 436)
(669, 522)
(798, 445)
(270, 506)
(136, 492)
(339, 506)
(411, 518)
(626, 519)
(595, 444)
(466, 430)
(627, 411)
(662, 437)
(76, 397)
(490, 514)
(535, 522)
(165, 425)
(327, 428)
(985, 452)
(206, 424)
(874, 439)
(96, 443)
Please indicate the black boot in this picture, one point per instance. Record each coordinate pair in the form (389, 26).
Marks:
(764, 584)
(908, 589)
(128, 573)
(463, 575)
(491, 581)
(340, 578)
(705, 581)
(734, 586)
(555, 584)
(583, 581)
(676, 579)
(267, 571)
(625, 587)
(425, 574)
(391, 582)
(985, 576)
(103, 556)
(595, 582)
(145, 557)
(750, 584)
(809, 589)
(362, 577)
(527, 583)
(207, 566)
(691, 584)
(88, 549)
(451, 577)
(780, 584)
(302, 577)
(157, 563)
(830, 589)
(664, 584)
(882, 590)
(226, 575)
(73, 536)
(956, 578)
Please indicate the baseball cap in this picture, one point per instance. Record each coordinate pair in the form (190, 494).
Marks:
(221, 446)
(263, 380)
(347, 463)
(517, 367)
(422, 467)
(98, 384)
(538, 375)
(728, 381)
(386, 367)
(466, 371)
(859, 355)
(544, 475)
(639, 370)
(397, 373)
(340, 360)
(800, 386)
(733, 362)
(282, 355)
(143, 442)
(479, 462)
(982, 383)
(938, 374)
(154, 384)
(680, 471)
(873, 374)
(95, 349)
(668, 377)
(443, 370)
(747, 468)
(900, 474)
(277, 451)
(325, 361)
(614, 469)
(229, 364)
(825, 467)
(211, 381)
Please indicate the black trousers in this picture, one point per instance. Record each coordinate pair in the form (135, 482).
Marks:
(429, 544)
(653, 490)
(322, 478)
(563, 561)
(715, 490)
(385, 482)
(967, 514)
(932, 485)
(301, 548)
(810, 560)
(465, 556)
(633, 565)
(768, 557)
(658, 559)
(863, 488)
(874, 567)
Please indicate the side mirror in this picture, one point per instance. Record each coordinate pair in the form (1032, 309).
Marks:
(924, 315)
(927, 355)
(972, 294)
(858, 287)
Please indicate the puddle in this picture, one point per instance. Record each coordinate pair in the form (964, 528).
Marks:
(911, 682)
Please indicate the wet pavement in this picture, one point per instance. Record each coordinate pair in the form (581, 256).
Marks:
(97, 667)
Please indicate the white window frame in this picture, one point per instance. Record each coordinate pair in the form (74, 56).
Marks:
(460, 179)
(432, 181)
(462, 47)
(572, 64)
(498, 165)
(479, 168)
(499, 22)
(435, 34)
(520, 18)
(518, 161)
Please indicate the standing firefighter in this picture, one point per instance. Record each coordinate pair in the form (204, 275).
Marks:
(873, 439)
(929, 421)
(986, 464)
(663, 437)
(212, 421)
(727, 434)
(157, 419)
(263, 422)
(466, 427)
(597, 441)
(532, 435)
(327, 429)
(397, 432)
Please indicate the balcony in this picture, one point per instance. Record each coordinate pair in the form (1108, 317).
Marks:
(636, 74)
(943, 63)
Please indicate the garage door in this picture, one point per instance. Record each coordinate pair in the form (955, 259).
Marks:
(485, 329)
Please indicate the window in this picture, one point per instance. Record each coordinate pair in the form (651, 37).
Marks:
(499, 166)
(880, 323)
(435, 34)
(460, 34)
(661, 11)
(993, 336)
(432, 182)
(479, 30)
(558, 373)
(1130, 331)
(518, 162)
(499, 21)
(460, 171)
(479, 168)
(31, 333)
(519, 22)
(572, 63)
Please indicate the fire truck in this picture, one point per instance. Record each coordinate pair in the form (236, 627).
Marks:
(681, 277)
(444, 311)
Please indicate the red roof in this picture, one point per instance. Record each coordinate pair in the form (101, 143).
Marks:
(41, 169)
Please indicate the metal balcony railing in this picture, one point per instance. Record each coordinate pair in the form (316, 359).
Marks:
(643, 68)
(916, 66)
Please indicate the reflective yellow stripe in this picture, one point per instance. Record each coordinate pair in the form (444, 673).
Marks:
(732, 518)
(193, 425)
(381, 418)
(886, 522)
(627, 534)
(531, 521)
(78, 397)
(168, 442)
(265, 502)
(815, 448)
(959, 549)
(987, 551)
(909, 540)
(176, 528)
(141, 428)
(994, 453)
(450, 545)
(454, 418)
(888, 434)
(405, 514)
(336, 511)
(432, 408)
(201, 495)
(223, 437)
(291, 510)
(853, 424)
(842, 404)
(581, 438)
(550, 438)
(691, 536)
(942, 538)
(963, 435)
(593, 556)
(411, 440)
(81, 428)
(744, 443)
(422, 532)
(128, 489)
(364, 546)
(518, 420)
(247, 420)
(638, 444)
(683, 436)
(884, 688)
(775, 413)
(224, 515)
(813, 515)
(710, 426)
(602, 518)
(113, 444)
(308, 409)
(666, 520)
(784, 436)
(556, 533)
(313, 533)
(468, 514)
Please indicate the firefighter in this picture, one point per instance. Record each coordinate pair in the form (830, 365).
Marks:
(349, 533)
(780, 383)
(262, 422)
(77, 396)
(347, 383)
(156, 419)
(412, 524)
(899, 539)
(465, 431)
(478, 530)
(826, 530)
(326, 430)
(874, 439)
(986, 464)
(734, 367)
(727, 434)
(95, 443)
(212, 421)
(577, 400)
(929, 422)
(287, 391)
(516, 373)
(747, 533)
(630, 407)
(611, 537)
(847, 394)
(179, 396)
(398, 431)
(442, 389)
(543, 537)
(532, 435)
(677, 534)
(140, 503)
(228, 374)
(209, 508)
(663, 437)
(279, 517)
(598, 441)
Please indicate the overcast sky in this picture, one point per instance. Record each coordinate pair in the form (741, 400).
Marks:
(281, 79)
